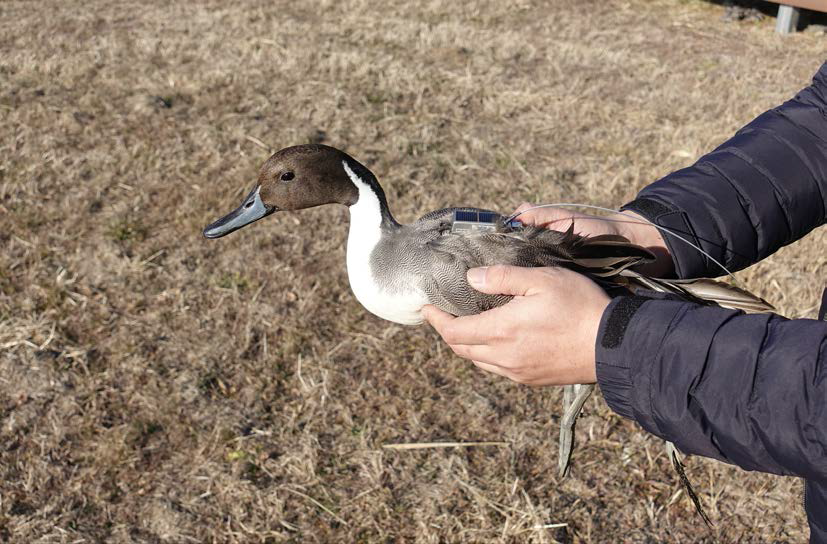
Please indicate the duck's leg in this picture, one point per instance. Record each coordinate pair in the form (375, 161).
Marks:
(574, 396)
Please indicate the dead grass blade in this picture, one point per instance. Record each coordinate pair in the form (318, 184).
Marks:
(430, 445)
(317, 503)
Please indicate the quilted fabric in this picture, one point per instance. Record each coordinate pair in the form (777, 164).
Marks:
(746, 389)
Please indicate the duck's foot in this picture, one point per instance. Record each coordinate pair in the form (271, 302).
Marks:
(675, 457)
(574, 396)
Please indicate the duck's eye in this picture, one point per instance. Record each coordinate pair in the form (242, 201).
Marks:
(287, 176)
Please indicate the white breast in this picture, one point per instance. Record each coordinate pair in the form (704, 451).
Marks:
(365, 232)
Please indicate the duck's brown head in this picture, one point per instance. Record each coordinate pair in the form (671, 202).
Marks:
(294, 178)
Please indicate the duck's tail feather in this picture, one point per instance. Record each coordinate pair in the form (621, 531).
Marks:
(704, 291)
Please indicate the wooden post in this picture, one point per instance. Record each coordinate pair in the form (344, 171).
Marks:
(787, 21)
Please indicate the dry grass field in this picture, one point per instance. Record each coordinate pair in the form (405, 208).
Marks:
(159, 387)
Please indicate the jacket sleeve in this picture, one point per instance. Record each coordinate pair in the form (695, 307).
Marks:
(746, 389)
(760, 190)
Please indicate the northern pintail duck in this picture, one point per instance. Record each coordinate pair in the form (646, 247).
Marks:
(394, 269)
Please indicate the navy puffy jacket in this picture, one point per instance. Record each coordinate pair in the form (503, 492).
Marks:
(746, 389)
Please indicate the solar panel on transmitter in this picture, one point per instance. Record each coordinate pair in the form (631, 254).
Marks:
(477, 222)
(473, 222)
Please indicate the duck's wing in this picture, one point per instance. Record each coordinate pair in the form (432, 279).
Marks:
(601, 256)
(450, 257)
(605, 258)
(453, 254)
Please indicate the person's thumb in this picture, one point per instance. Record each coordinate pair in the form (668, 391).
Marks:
(503, 280)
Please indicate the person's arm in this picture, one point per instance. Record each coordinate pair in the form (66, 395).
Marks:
(757, 192)
(750, 390)
(746, 389)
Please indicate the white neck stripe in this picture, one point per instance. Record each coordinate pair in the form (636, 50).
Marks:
(365, 234)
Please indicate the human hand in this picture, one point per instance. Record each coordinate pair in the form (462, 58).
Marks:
(546, 335)
(627, 224)
(560, 219)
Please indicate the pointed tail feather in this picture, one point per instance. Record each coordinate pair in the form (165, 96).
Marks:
(704, 291)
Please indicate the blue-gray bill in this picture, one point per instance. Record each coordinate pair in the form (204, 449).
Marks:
(252, 209)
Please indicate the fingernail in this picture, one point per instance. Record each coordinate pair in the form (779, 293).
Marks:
(476, 276)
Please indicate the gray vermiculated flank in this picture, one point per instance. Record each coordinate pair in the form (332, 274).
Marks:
(427, 254)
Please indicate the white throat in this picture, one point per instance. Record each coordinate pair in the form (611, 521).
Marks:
(365, 217)
(364, 235)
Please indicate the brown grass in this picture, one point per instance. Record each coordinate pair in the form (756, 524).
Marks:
(159, 387)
